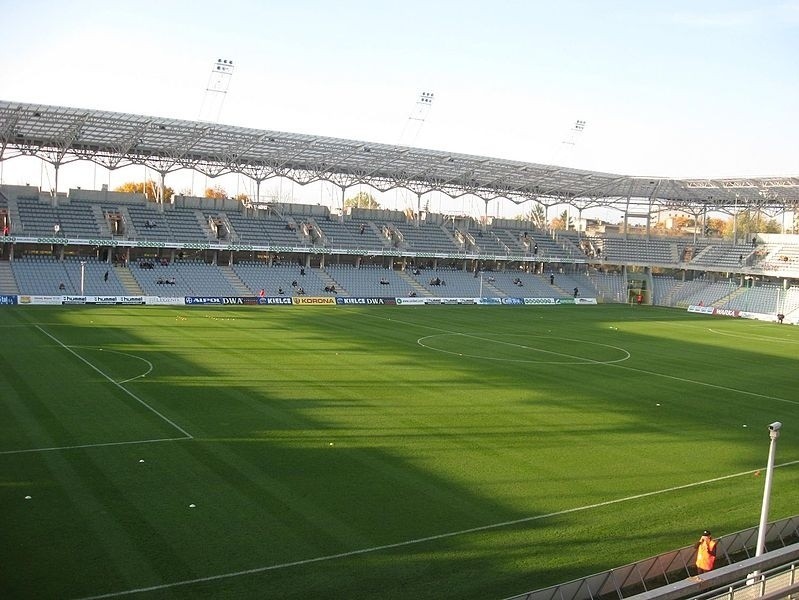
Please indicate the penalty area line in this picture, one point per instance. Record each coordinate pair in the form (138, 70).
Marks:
(117, 384)
(100, 445)
(440, 536)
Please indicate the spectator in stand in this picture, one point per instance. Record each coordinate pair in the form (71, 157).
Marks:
(551, 279)
(5, 230)
(576, 292)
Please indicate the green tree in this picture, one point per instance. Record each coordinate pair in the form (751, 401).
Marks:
(537, 216)
(748, 222)
(362, 200)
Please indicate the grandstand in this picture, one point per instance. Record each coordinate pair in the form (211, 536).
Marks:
(195, 236)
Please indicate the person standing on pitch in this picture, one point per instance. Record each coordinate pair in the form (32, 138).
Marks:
(705, 552)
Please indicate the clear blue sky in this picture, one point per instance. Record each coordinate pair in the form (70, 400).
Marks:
(684, 88)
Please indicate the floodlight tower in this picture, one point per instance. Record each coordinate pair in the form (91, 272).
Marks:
(413, 125)
(569, 142)
(416, 119)
(216, 90)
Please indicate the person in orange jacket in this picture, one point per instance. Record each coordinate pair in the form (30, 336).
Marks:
(705, 552)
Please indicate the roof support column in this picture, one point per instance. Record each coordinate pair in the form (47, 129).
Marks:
(162, 187)
(626, 214)
(418, 219)
(55, 183)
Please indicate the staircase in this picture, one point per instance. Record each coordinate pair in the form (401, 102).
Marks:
(128, 282)
(130, 230)
(414, 285)
(202, 221)
(102, 221)
(13, 215)
(668, 299)
(8, 285)
(721, 302)
(328, 280)
(234, 280)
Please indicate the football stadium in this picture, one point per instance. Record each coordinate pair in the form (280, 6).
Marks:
(220, 395)
(206, 397)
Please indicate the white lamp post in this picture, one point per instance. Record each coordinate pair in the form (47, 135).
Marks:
(774, 433)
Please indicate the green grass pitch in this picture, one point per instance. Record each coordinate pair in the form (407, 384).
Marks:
(392, 452)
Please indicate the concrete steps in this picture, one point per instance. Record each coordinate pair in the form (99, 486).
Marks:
(235, 281)
(126, 278)
(8, 285)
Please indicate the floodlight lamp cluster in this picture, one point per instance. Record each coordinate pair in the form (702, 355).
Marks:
(579, 125)
(426, 98)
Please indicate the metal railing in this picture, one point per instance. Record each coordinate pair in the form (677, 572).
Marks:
(665, 569)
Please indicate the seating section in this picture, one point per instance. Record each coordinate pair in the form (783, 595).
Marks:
(610, 287)
(186, 225)
(426, 238)
(451, 283)
(723, 256)
(700, 291)
(44, 275)
(487, 242)
(258, 276)
(366, 281)
(637, 251)
(265, 230)
(765, 299)
(351, 235)
(181, 278)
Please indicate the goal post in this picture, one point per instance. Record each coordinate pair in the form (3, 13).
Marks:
(637, 292)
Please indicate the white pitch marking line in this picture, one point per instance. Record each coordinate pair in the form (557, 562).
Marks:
(149, 364)
(580, 360)
(765, 338)
(653, 373)
(119, 385)
(93, 445)
(422, 540)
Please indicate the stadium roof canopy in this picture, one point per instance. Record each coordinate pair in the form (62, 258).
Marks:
(60, 134)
